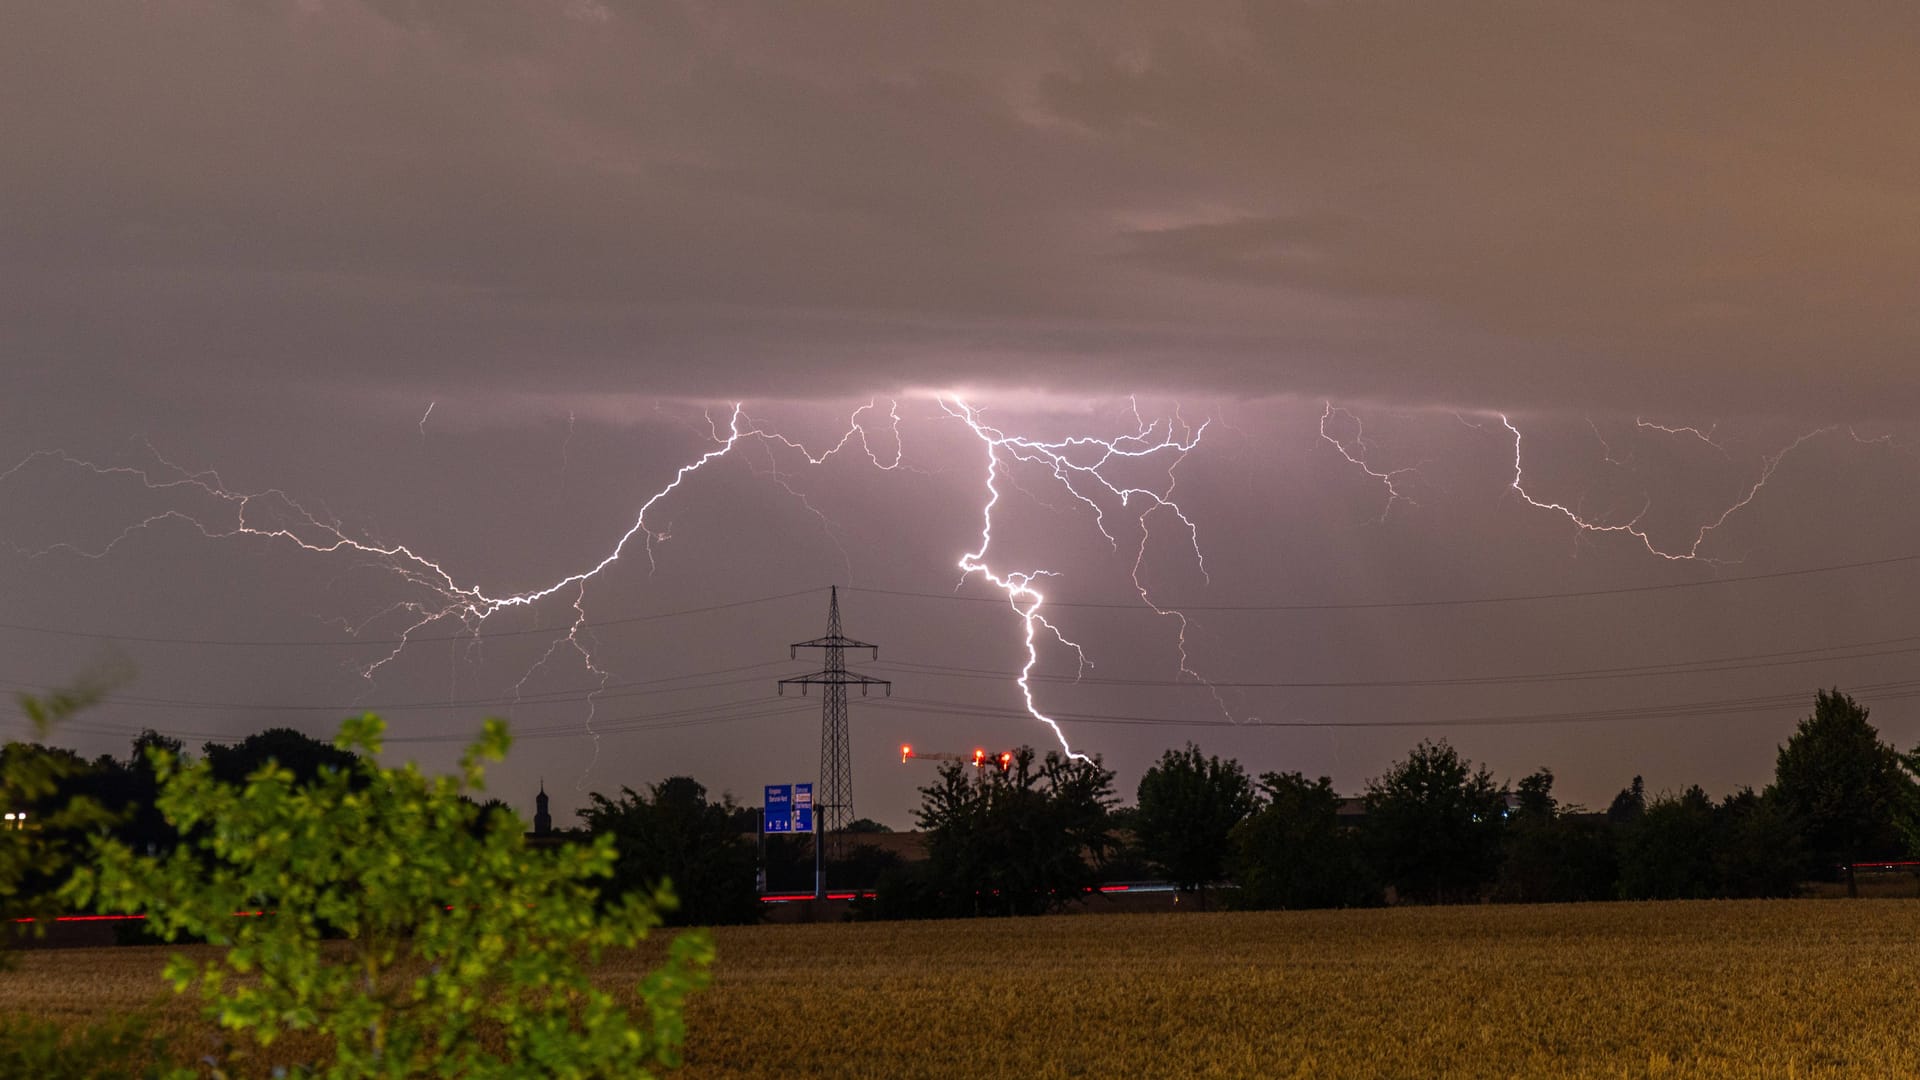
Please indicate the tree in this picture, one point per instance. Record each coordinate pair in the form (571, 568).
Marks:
(674, 835)
(1756, 846)
(1667, 852)
(35, 857)
(128, 791)
(37, 783)
(447, 935)
(1687, 847)
(1629, 804)
(143, 827)
(861, 866)
(301, 754)
(1292, 852)
(1553, 856)
(45, 788)
(1435, 824)
(1127, 861)
(1534, 796)
(1189, 805)
(1843, 785)
(1020, 842)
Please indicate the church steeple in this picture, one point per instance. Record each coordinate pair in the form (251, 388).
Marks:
(542, 821)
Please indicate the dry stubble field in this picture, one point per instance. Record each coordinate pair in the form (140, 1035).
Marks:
(1704, 989)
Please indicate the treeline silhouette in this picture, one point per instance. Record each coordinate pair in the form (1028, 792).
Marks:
(1045, 832)
(1433, 828)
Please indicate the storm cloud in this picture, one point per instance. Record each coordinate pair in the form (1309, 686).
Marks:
(1626, 206)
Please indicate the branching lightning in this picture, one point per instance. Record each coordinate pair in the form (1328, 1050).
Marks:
(1078, 463)
(1102, 473)
(275, 516)
(1347, 448)
(1703, 436)
(1632, 527)
(1083, 466)
(1606, 448)
(1355, 450)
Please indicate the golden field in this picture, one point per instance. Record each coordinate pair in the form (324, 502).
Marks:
(1802, 988)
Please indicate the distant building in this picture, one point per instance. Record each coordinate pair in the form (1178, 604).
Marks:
(542, 821)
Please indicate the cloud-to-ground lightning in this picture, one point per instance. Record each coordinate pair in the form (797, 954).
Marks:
(1082, 466)
(1078, 463)
(1125, 482)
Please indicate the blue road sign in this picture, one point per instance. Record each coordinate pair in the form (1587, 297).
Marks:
(803, 808)
(789, 808)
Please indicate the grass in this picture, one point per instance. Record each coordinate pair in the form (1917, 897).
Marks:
(1703, 989)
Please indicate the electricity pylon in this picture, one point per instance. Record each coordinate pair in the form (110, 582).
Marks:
(833, 800)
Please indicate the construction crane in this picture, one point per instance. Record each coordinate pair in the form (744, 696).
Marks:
(980, 759)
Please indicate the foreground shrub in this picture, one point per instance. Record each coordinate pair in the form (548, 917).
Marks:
(463, 950)
(35, 856)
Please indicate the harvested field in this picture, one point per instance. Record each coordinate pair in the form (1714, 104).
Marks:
(1702, 989)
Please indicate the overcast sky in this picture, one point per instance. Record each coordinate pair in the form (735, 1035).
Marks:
(267, 239)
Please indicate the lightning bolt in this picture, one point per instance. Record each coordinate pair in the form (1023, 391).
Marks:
(1703, 436)
(1606, 448)
(1356, 451)
(856, 428)
(1389, 480)
(275, 516)
(1082, 466)
(1078, 463)
(1136, 470)
(1165, 502)
(1632, 527)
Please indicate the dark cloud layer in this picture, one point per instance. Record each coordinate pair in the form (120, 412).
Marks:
(1639, 206)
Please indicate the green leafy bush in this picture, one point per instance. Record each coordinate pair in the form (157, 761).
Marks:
(32, 777)
(462, 951)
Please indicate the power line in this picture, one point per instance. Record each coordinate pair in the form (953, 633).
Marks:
(753, 708)
(1511, 598)
(757, 708)
(1703, 666)
(699, 717)
(1373, 605)
(1715, 707)
(613, 691)
(682, 683)
(351, 642)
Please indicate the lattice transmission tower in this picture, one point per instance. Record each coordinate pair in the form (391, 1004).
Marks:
(833, 800)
